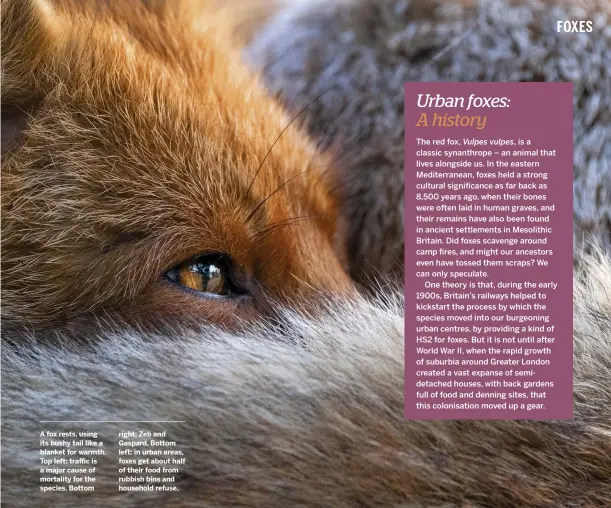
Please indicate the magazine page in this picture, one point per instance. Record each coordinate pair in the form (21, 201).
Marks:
(334, 254)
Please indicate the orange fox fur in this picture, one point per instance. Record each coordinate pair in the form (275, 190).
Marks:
(131, 137)
(134, 134)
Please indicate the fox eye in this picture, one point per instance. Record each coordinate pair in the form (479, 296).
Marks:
(205, 274)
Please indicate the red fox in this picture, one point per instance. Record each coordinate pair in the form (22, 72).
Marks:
(309, 415)
(147, 173)
(150, 185)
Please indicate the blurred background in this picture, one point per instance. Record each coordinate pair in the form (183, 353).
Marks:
(355, 56)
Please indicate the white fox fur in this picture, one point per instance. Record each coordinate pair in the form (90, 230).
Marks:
(309, 414)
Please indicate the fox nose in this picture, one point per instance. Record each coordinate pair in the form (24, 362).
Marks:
(319, 278)
(301, 267)
(331, 278)
(307, 292)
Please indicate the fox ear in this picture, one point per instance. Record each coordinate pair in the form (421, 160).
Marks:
(249, 16)
(29, 33)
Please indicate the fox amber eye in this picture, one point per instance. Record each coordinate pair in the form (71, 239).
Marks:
(206, 274)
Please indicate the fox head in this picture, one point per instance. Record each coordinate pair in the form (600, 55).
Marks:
(146, 172)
